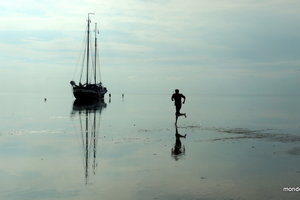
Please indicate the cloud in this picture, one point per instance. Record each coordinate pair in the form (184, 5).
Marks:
(223, 35)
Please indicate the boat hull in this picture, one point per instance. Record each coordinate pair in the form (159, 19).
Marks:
(88, 94)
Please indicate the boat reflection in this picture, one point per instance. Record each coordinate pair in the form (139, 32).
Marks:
(88, 115)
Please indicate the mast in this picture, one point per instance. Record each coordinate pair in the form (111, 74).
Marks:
(96, 31)
(88, 48)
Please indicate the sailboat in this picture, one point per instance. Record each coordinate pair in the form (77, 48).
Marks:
(92, 89)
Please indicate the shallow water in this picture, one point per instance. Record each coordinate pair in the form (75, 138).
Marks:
(237, 147)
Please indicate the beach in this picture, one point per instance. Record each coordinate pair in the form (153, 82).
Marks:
(236, 147)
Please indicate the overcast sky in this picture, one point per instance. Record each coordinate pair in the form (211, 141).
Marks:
(155, 46)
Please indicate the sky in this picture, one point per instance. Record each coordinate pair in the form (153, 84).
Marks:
(228, 47)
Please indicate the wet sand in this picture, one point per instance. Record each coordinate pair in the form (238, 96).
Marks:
(129, 149)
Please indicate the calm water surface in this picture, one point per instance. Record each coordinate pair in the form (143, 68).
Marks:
(237, 147)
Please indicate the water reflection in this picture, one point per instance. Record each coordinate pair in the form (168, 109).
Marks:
(89, 125)
(178, 150)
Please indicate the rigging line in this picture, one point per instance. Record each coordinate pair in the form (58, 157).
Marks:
(99, 71)
(80, 57)
(98, 60)
(92, 60)
(84, 54)
(82, 64)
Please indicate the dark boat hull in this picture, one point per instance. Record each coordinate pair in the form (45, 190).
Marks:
(88, 94)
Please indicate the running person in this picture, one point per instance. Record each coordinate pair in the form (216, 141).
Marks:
(177, 97)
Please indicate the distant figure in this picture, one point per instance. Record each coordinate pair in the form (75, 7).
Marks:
(178, 149)
(177, 97)
(122, 96)
(45, 99)
(109, 97)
